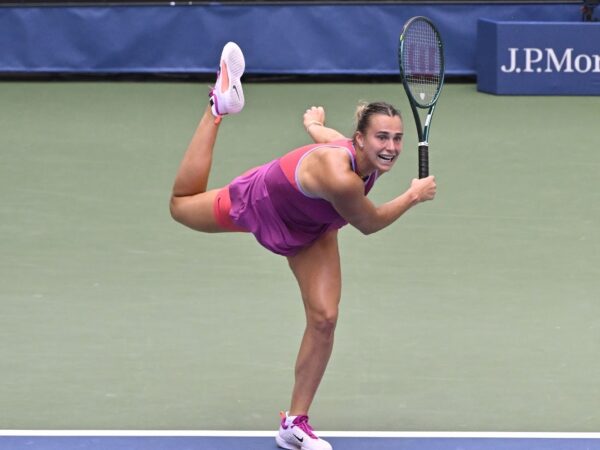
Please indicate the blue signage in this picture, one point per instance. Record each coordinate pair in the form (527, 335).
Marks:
(538, 58)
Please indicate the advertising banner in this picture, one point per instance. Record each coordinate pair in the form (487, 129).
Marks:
(538, 58)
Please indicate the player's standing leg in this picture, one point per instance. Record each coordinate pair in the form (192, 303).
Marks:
(317, 269)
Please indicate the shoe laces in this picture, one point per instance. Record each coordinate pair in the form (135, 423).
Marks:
(302, 423)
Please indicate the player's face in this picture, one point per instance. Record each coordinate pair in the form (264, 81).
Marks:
(382, 143)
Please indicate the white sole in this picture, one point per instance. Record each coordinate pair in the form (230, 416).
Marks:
(234, 58)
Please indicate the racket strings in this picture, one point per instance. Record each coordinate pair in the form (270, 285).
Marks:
(422, 62)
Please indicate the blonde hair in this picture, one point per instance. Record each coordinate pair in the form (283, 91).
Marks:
(364, 112)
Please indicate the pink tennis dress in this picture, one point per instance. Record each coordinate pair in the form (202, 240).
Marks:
(269, 202)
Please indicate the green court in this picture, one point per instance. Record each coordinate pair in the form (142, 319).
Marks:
(479, 311)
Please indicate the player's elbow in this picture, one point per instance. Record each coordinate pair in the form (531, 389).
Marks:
(366, 228)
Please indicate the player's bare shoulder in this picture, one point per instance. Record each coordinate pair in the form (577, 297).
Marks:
(325, 169)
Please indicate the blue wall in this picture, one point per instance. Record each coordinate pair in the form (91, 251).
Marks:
(277, 39)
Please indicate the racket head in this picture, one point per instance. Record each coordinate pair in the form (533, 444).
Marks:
(421, 61)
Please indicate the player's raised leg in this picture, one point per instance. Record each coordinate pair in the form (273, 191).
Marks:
(191, 204)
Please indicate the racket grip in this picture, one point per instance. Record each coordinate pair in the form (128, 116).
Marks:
(423, 160)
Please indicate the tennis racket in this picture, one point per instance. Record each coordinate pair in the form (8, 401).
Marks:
(421, 60)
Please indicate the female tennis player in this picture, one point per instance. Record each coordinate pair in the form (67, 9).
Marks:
(294, 207)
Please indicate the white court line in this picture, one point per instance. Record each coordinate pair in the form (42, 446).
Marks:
(348, 434)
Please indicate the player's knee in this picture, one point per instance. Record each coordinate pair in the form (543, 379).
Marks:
(179, 210)
(175, 209)
(323, 321)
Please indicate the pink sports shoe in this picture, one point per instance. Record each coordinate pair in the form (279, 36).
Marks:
(295, 433)
(230, 100)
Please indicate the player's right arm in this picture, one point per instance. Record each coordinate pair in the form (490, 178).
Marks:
(329, 176)
(350, 202)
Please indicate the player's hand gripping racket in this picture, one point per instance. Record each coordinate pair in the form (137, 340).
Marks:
(421, 59)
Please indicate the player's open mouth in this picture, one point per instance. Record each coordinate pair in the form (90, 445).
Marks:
(388, 158)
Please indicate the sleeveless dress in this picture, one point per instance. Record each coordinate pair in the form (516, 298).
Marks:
(269, 202)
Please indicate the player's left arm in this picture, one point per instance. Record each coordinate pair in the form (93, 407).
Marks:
(314, 124)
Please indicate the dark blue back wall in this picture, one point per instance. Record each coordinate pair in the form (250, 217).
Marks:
(323, 39)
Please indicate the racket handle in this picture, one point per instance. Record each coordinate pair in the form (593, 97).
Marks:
(423, 160)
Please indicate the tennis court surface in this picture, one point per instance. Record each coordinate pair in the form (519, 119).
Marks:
(476, 313)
